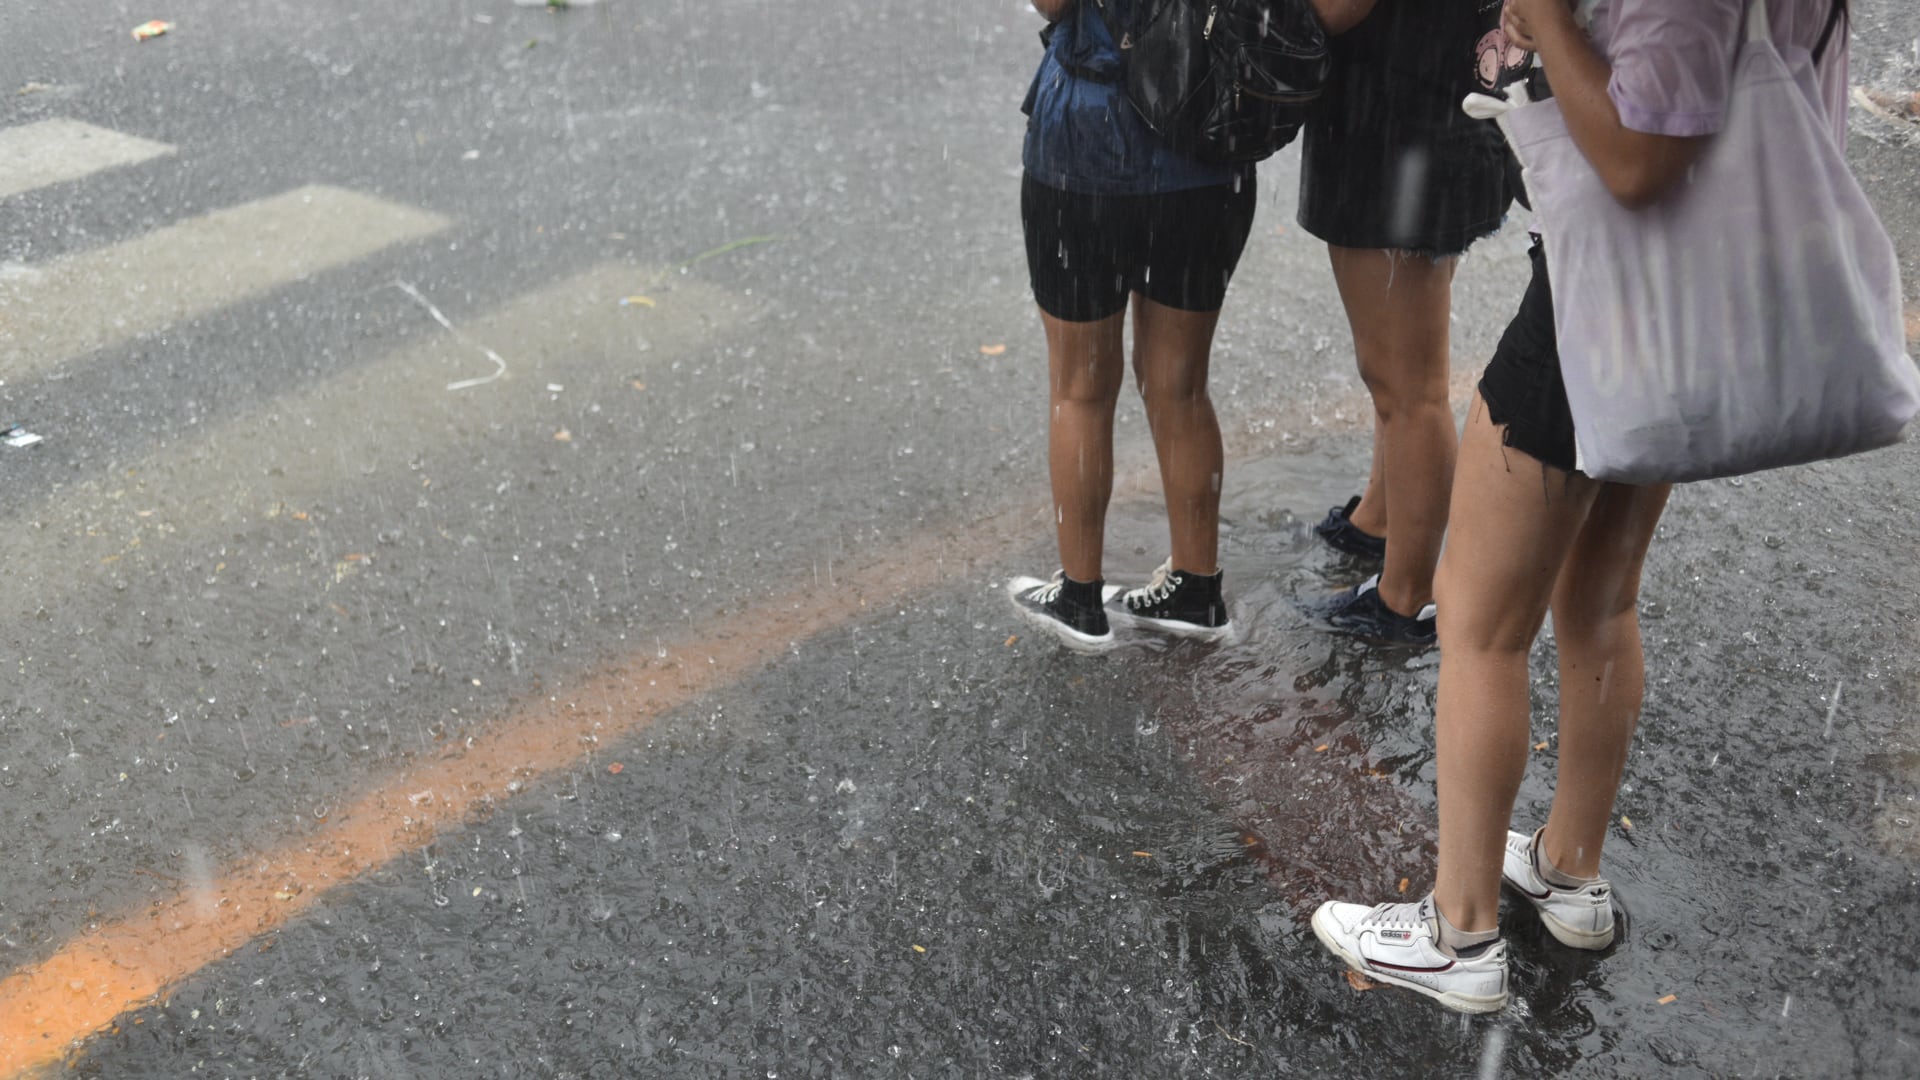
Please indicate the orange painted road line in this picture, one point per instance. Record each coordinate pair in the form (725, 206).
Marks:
(132, 959)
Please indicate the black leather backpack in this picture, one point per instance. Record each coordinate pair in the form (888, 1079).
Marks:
(1225, 81)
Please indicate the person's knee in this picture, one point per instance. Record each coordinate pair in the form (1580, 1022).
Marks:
(1092, 384)
(1383, 391)
(1400, 388)
(1472, 617)
(1165, 393)
(1594, 612)
(1170, 380)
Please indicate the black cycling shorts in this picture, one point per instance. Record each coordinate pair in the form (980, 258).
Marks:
(1086, 253)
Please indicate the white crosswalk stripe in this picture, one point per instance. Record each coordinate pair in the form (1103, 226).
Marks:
(81, 303)
(465, 381)
(54, 151)
(392, 416)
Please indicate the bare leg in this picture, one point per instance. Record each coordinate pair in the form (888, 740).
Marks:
(1086, 363)
(1596, 625)
(1370, 516)
(1399, 307)
(1515, 520)
(1170, 355)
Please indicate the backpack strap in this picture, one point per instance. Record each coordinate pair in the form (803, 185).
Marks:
(1833, 22)
(1107, 78)
(1115, 31)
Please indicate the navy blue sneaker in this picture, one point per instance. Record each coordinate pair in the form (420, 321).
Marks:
(1338, 530)
(1361, 612)
(1073, 611)
(1182, 604)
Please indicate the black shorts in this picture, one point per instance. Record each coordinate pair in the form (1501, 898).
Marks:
(1388, 161)
(1085, 253)
(1522, 385)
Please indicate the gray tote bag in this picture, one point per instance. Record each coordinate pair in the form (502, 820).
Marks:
(1750, 319)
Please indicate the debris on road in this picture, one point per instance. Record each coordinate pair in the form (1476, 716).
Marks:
(726, 248)
(992, 350)
(1360, 982)
(499, 365)
(1889, 105)
(640, 301)
(149, 30)
(15, 435)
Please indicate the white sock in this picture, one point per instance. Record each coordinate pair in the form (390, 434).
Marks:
(1463, 943)
(1550, 873)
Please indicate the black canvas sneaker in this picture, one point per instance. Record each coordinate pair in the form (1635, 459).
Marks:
(1070, 610)
(1361, 612)
(1179, 603)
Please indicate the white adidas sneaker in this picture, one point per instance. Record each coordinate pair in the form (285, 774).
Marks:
(1579, 918)
(1400, 944)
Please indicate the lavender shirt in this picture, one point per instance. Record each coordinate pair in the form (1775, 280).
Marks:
(1673, 59)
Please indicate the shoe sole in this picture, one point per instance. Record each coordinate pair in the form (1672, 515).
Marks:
(1359, 634)
(1084, 644)
(1571, 937)
(1466, 1003)
(1175, 627)
(1377, 639)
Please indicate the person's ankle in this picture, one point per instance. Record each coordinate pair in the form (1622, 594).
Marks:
(1549, 870)
(1459, 943)
(1076, 589)
(1366, 520)
(1401, 600)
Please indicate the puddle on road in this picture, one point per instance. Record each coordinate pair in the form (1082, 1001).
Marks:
(915, 849)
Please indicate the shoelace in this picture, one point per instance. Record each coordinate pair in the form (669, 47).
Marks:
(1396, 916)
(1046, 594)
(1162, 586)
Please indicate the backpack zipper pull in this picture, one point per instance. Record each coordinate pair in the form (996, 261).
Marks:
(1213, 12)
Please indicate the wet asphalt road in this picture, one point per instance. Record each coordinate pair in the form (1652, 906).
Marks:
(266, 561)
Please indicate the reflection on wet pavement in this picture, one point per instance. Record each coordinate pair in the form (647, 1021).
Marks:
(327, 638)
(931, 852)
